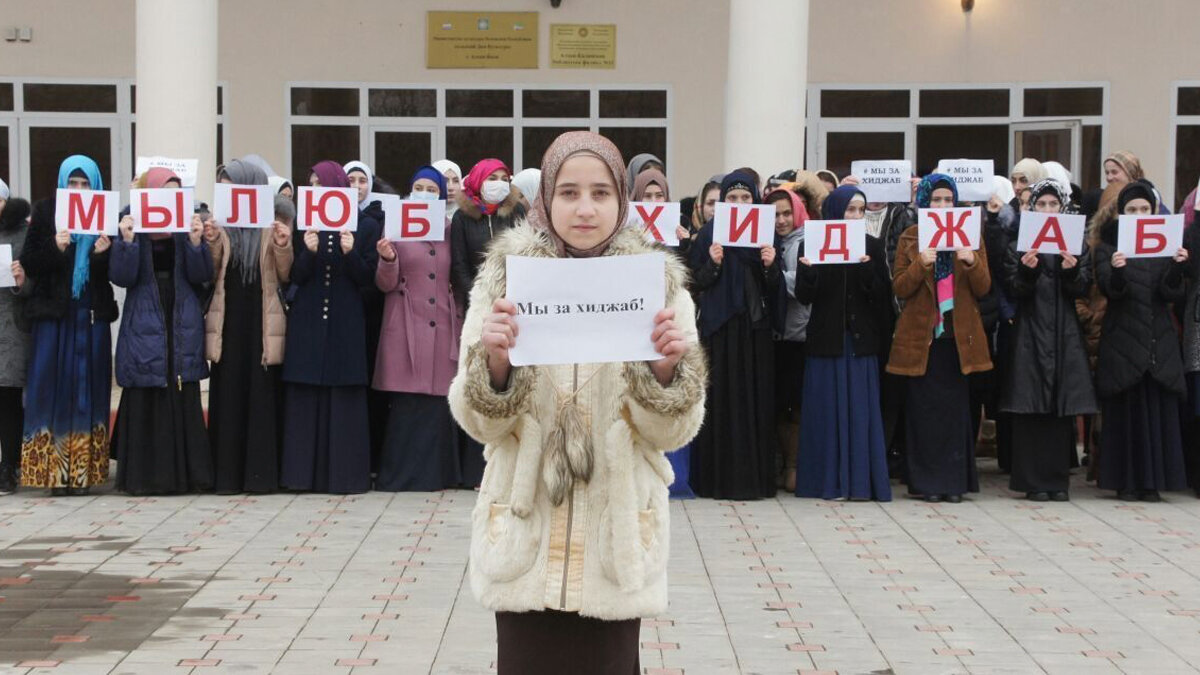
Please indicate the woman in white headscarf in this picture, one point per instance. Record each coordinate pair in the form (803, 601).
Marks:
(454, 176)
(528, 180)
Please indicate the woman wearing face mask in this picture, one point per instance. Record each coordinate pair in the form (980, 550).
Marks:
(1048, 382)
(67, 393)
(740, 291)
(245, 330)
(841, 451)
(939, 340)
(487, 206)
(569, 534)
(326, 446)
(418, 355)
(1139, 373)
(453, 176)
(160, 439)
(14, 340)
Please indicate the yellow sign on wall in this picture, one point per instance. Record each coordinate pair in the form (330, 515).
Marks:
(577, 45)
(481, 40)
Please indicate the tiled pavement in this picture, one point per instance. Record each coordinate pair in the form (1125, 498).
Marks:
(318, 584)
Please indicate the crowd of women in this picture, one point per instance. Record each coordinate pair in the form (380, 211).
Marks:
(331, 355)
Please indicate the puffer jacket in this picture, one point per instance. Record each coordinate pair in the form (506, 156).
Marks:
(274, 268)
(601, 552)
(141, 359)
(1138, 338)
(1049, 373)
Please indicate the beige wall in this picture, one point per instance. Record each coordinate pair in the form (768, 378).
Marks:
(1138, 47)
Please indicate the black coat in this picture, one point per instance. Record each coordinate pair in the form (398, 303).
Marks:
(1049, 373)
(326, 333)
(854, 298)
(1138, 336)
(51, 271)
(470, 233)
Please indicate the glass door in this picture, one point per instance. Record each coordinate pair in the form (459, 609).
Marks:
(398, 151)
(840, 143)
(1049, 141)
(46, 142)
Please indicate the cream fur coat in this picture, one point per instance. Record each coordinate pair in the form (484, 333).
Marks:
(603, 550)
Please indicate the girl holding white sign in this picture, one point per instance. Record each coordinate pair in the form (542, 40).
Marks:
(939, 340)
(245, 329)
(159, 436)
(418, 355)
(67, 394)
(741, 301)
(1048, 381)
(1139, 372)
(842, 454)
(326, 443)
(570, 533)
(14, 338)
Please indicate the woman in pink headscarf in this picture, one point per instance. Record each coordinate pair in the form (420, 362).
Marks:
(487, 204)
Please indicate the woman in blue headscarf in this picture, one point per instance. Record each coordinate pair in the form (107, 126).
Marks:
(842, 453)
(939, 340)
(418, 356)
(66, 442)
(741, 299)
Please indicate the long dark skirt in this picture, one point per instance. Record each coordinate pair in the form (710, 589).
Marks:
(1140, 444)
(326, 447)
(733, 457)
(941, 446)
(551, 643)
(244, 397)
(420, 448)
(841, 453)
(160, 440)
(68, 401)
(1040, 462)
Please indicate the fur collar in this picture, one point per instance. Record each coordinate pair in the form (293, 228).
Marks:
(523, 240)
(507, 207)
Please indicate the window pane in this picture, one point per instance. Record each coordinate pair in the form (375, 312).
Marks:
(220, 144)
(535, 140)
(312, 143)
(1047, 145)
(314, 101)
(964, 103)
(864, 103)
(4, 158)
(479, 103)
(402, 102)
(468, 145)
(220, 100)
(1187, 161)
(49, 146)
(635, 140)
(972, 141)
(1089, 175)
(1057, 102)
(398, 155)
(1189, 100)
(70, 97)
(640, 104)
(556, 103)
(6, 96)
(843, 147)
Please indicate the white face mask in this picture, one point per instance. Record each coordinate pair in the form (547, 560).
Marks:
(424, 196)
(495, 191)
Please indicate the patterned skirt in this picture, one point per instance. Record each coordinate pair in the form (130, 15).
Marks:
(67, 402)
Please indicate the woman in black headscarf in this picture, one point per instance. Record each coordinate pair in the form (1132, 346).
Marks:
(1048, 382)
(1139, 372)
(245, 330)
(739, 296)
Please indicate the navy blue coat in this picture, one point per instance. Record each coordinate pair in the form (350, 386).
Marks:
(326, 334)
(141, 359)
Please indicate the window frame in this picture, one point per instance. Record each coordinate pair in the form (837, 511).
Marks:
(1168, 186)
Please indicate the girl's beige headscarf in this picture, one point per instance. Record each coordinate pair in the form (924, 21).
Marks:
(563, 148)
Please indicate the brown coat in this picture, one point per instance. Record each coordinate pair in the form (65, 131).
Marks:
(913, 285)
(1091, 311)
(275, 267)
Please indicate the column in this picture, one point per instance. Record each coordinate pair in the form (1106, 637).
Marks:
(766, 85)
(177, 84)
